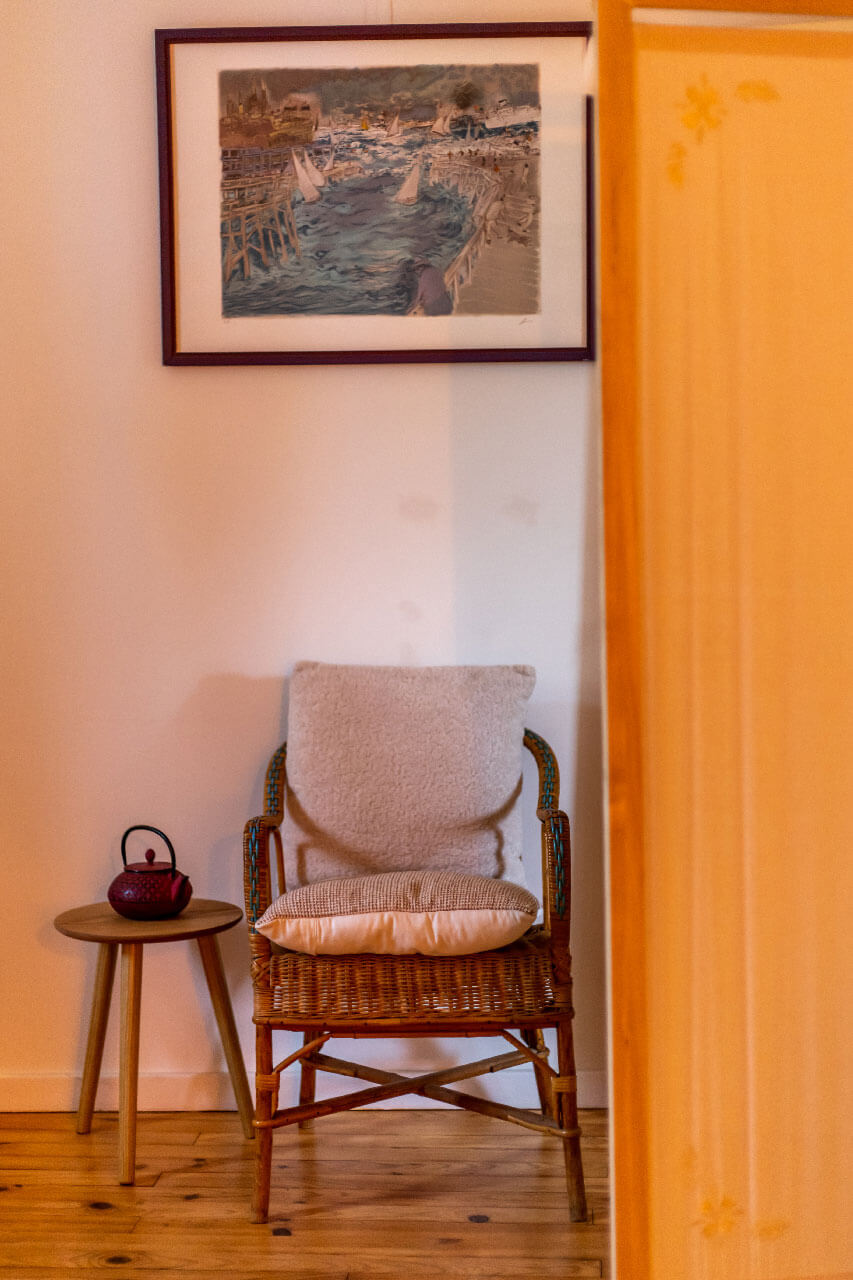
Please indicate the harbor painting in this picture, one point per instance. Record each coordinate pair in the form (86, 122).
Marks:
(341, 195)
(380, 191)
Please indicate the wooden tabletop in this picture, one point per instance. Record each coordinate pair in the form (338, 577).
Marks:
(98, 922)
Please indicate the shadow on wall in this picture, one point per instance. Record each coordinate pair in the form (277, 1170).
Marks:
(527, 565)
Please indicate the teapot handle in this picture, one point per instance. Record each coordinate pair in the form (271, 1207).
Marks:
(157, 832)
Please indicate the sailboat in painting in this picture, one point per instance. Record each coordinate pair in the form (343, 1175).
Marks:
(308, 191)
(441, 124)
(316, 178)
(408, 192)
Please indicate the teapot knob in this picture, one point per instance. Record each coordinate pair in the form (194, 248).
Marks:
(150, 855)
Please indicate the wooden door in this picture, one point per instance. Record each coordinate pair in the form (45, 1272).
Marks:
(726, 195)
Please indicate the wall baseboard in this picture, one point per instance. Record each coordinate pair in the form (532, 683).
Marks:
(211, 1091)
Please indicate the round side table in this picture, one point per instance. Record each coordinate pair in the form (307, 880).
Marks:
(200, 921)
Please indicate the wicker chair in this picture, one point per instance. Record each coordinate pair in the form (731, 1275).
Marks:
(514, 993)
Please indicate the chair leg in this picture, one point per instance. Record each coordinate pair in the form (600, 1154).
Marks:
(567, 1104)
(308, 1079)
(534, 1039)
(264, 1107)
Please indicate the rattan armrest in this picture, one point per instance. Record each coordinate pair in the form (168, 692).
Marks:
(556, 848)
(257, 880)
(256, 866)
(257, 883)
(256, 888)
(556, 864)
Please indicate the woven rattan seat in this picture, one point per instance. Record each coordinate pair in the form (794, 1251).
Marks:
(515, 992)
(514, 982)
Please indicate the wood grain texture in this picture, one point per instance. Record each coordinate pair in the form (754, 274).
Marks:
(360, 1196)
(104, 975)
(625, 612)
(808, 8)
(624, 636)
(221, 1001)
(131, 1001)
(98, 922)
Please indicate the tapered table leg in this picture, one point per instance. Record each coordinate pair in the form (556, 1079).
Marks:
(107, 953)
(221, 1001)
(131, 1000)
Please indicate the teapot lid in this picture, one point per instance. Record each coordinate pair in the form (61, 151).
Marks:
(149, 864)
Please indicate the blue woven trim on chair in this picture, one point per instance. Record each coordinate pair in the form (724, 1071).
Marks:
(273, 800)
(548, 771)
(548, 799)
(559, 867)
(254, 892)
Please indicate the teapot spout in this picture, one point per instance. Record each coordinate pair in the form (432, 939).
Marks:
(180, 889)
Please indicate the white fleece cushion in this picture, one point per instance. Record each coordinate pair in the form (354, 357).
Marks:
(432, 913)
(404, 768)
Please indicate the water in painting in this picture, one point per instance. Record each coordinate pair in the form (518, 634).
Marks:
(381, 191)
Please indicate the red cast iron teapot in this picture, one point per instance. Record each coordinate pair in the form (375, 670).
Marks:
(149, 890)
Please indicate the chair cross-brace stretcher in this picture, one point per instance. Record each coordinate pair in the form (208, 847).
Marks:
(430, 1084)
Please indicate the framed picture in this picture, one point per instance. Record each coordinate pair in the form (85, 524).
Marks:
(377, 194)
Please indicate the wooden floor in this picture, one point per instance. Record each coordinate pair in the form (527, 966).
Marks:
(376, 1195)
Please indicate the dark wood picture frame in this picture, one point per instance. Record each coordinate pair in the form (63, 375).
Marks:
(170, 44)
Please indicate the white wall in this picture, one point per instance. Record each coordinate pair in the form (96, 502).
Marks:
(174, 539)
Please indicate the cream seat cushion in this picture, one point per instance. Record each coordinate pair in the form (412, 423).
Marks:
(431, 913)
(404, 768)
